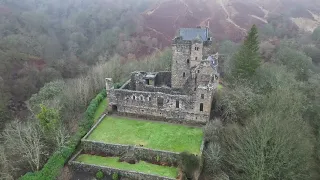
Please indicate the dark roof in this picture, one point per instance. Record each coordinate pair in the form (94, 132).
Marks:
(190, 34)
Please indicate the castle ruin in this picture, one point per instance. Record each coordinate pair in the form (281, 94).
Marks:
(183, 95)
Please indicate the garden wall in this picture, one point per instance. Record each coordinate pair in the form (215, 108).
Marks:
(145, 154)
(93, 169)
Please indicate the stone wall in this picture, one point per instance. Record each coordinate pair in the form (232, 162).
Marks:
(93, 169)
(196, 53)
(145, 154)
(163, 78)
(180, 63)
(176, 108)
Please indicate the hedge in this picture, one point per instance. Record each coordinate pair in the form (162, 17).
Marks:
(51, 170)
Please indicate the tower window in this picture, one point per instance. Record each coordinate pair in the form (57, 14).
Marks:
(134, 97)
(202, 96)
(201, 107)
(177, 104)
(196, 58)
(188, 61)
(196, 48)
(184, 74)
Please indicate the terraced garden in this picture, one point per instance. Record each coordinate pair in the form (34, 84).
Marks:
(142, 166)
(149, 134)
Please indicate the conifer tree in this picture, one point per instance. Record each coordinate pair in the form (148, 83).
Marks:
(247, 59)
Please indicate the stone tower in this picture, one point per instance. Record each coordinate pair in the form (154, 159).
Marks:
(180, 62)
(187, 50)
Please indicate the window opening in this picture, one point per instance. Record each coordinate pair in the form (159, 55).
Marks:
(201, 107)
(177, 104)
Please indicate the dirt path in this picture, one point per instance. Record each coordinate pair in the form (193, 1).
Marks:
(221, 2)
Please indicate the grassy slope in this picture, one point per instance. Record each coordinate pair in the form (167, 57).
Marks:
(153, 135)
(139, 167)
(102, 107)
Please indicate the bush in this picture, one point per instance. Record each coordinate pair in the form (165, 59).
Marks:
(115, 176)
(188, 163)
(53, 166)
(99, 175)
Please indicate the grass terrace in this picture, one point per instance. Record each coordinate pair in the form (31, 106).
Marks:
(142, 166)
(154, 135)
(101, 108)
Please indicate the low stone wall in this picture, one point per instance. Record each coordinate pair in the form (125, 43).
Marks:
(141, 153)
(93, 169)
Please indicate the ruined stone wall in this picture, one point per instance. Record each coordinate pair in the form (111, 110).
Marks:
(180, 63)
(177, 108)
(163, 78)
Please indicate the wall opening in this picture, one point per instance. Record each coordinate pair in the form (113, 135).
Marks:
(196, 58)
(149, 98)
(160, 102)
(198, 71)
(147, 82)
(184, 74)
(114, 108)
(188, 61)
(177, 104)
(201, 107)
(134, 97)
(202, 96)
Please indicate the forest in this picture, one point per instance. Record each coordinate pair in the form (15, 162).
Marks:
(54, 56)
(42, 41)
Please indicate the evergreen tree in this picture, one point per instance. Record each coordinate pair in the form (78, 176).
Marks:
(247, 59)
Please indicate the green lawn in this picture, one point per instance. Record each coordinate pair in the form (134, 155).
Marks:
(142, 166)
(102, 107)
(155, 135)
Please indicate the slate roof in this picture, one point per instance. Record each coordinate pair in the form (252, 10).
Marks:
(190, 34)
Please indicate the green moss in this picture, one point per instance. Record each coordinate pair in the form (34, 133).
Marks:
(142, 166)
(155, 135)
(101, 109)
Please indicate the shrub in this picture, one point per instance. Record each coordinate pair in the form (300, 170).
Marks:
(188, 163)
(99, 175)
(115, 176)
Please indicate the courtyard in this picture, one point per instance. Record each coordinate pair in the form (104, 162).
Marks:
(148, 134)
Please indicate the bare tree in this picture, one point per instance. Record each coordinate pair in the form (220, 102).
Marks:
(23, 143)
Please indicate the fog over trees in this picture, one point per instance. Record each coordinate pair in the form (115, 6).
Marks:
(55, 54)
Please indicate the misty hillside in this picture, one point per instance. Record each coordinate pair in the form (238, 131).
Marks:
(229, 19)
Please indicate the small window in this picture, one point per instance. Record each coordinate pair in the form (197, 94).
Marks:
(188, 61)
(160, 102)
(201, 107)
(134, 97)
(202, 96)
(141, 98)
(147, 82)
(184, 74)
(198, 71)
(149, 98)
(177, 104)
(196, 58)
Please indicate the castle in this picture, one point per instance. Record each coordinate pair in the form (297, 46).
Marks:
(183, 95)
